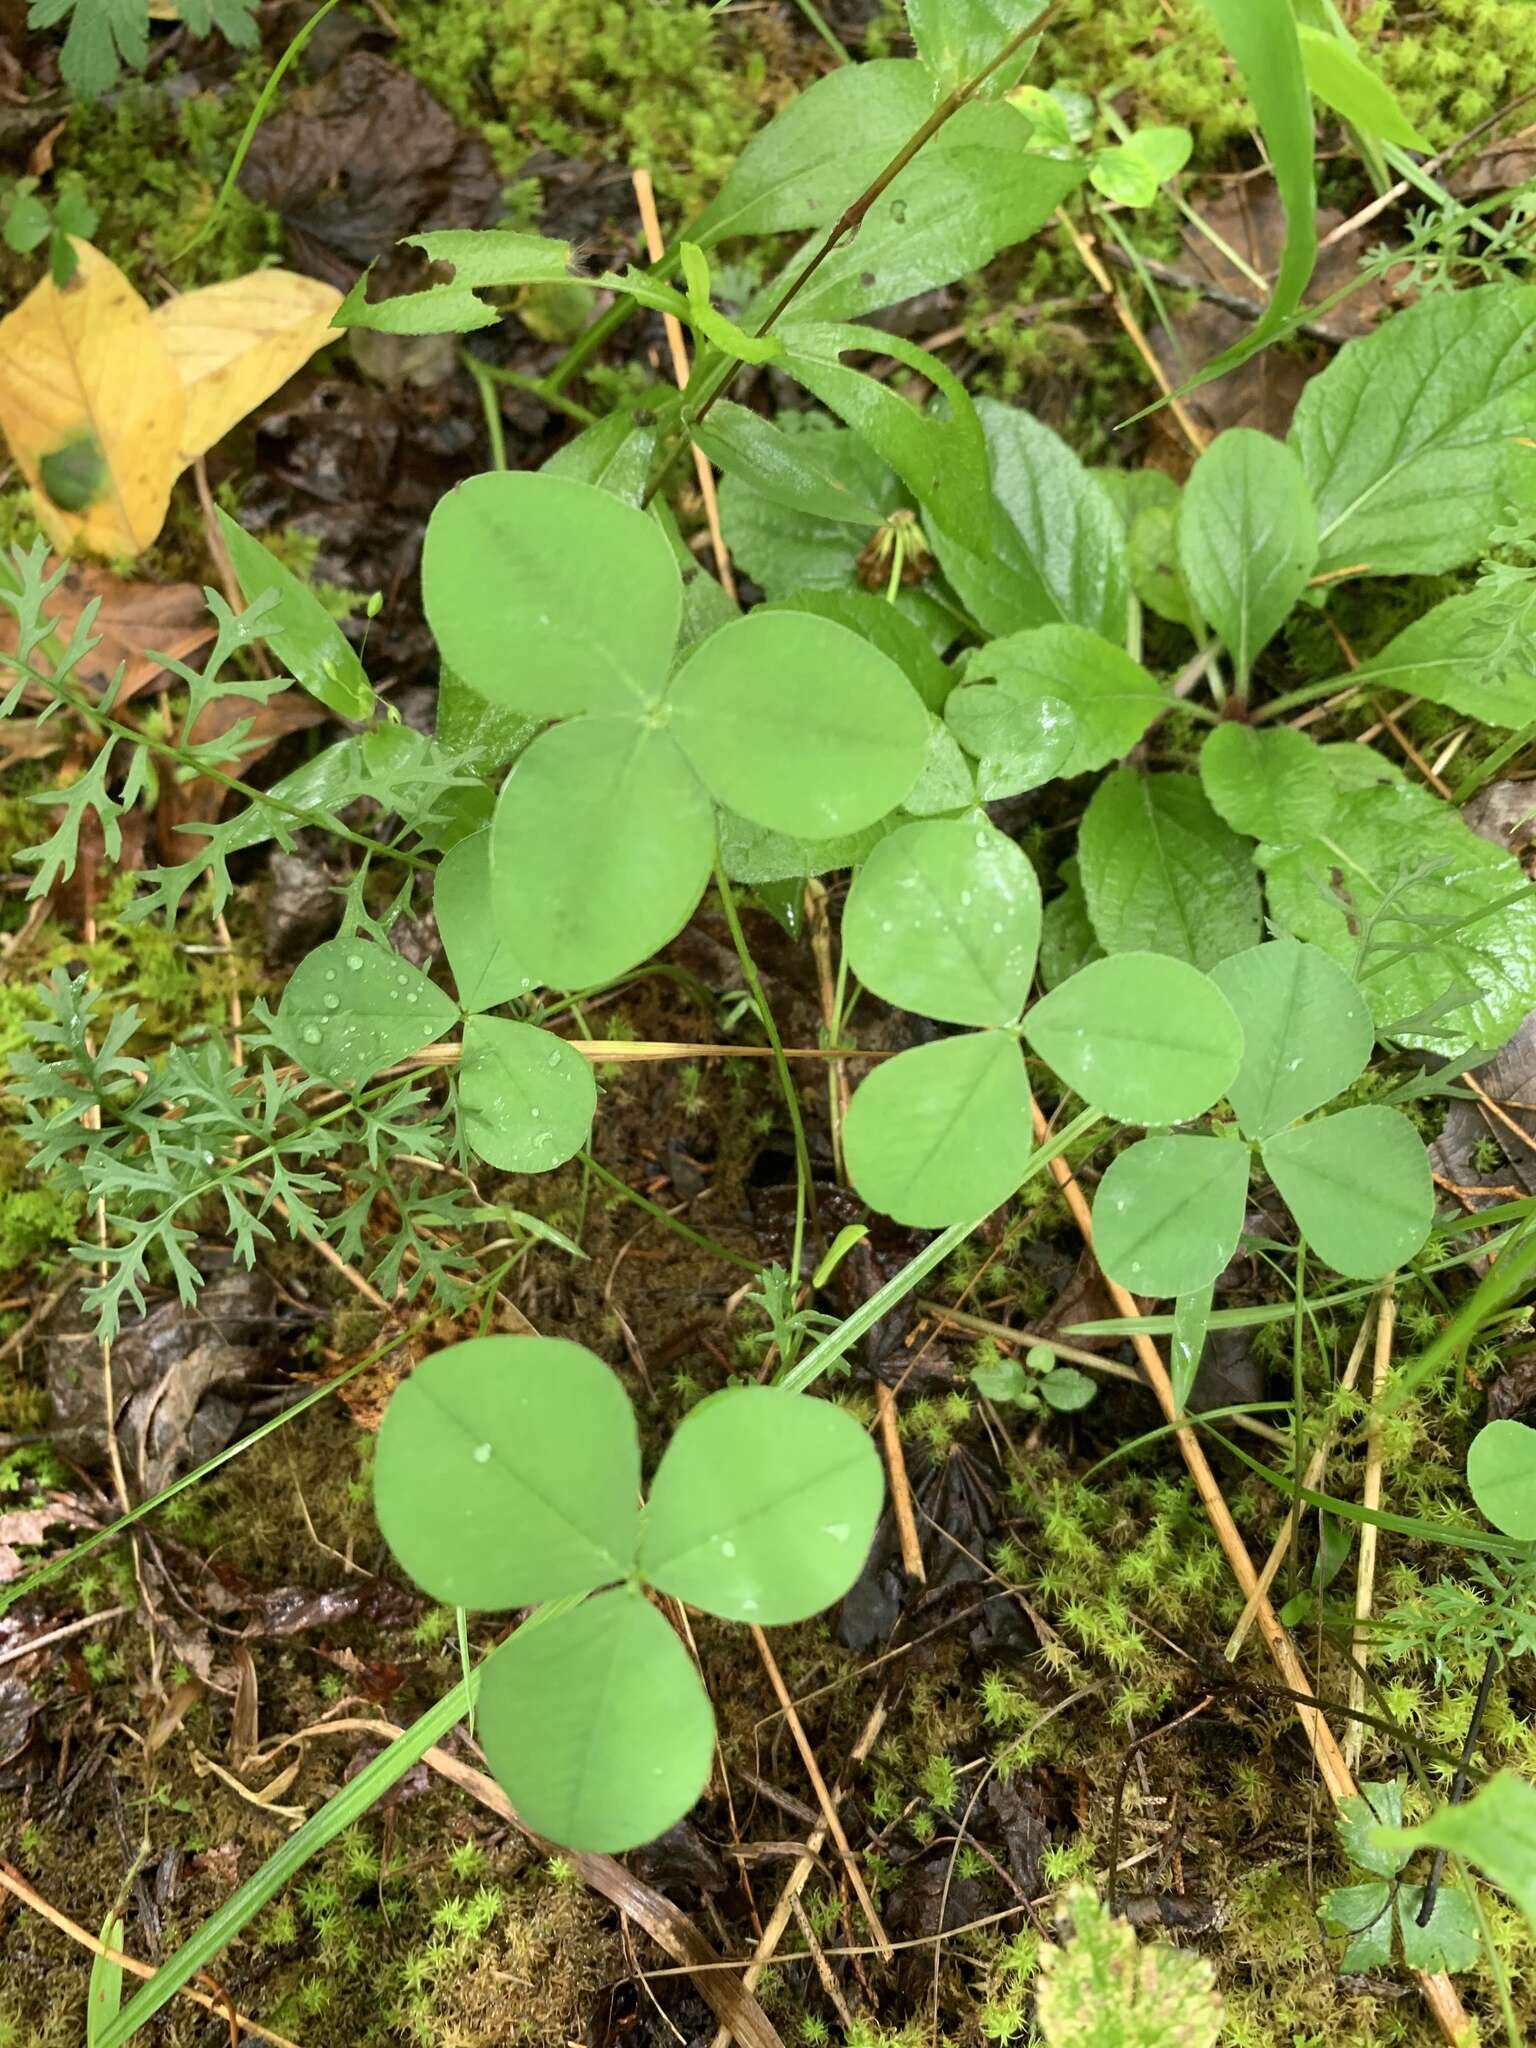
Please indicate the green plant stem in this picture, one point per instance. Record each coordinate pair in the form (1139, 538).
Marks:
(536, 387)
(805, 1192)
(485, 384)
(833, 1346)
(706, 1244)
(1505, 1281)
(1472, 1886)
(338, 1813)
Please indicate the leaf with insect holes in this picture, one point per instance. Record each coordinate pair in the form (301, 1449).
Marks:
(1247, 540)
(508, 1471)
(353, 1007)
(1112, 699)
(1017, 743)
(1162, 873)
(1501, 1473)
(944, 918)
(763, 1507)
(485, 972)
(1307, 1032)
(596, 1725)
(941, 1133)
(1169, 1212)
(570, 911)
(299, 630)
(526, 1097)
(551, 596)
(1359, 1187)
(1267, 781)
(481, 258)
(1495, 1829)
(798, 724)
(1140, 1036)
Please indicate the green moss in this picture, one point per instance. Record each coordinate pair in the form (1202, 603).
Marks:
(595, 78)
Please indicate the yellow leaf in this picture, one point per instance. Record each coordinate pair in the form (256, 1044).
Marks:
(235, 343)
(93, 408)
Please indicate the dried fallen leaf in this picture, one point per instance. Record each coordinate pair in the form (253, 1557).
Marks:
(236, 343)
(93, 407)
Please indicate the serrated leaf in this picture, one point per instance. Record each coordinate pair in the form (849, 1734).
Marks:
(1112, 699)
(1364, 1913)
(1056, 552)
(1307, 1032)
(353, 1007)
(1495, 1829)
(798, 724)
(763, 1507)
(752, 854)
(1359, 1187)
(551, 596)
(1169, 1213)
(958, 38)
(1162, 873)
(508, 1471)
(1247, 540)
(526, 1097)
(1501, 1475)
(301, 633)
(484, 971)
(944, 918)
(566, 908)
(1475, 653)
(1066, 1389)
(1402, 435)
(1141, 1036)
(1267, 781)
(1449, 1939)
(595, 1724)
(941, 1134)
(1359, 1816)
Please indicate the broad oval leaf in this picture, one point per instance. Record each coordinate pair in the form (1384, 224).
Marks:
(941, 1134)
(601, 846)
(1112, 699)
(484, 971)
(763, 1507)
(526, 1097)
(1162, 873)
(1307, 1032)
(1405, 434)
(1141, 1036)
(595, 1724)
(1359, 1187)
(299, 630)
(778, 466)
(1501, 1472)
(1247, 539)
(751, 853)
(798, 724)
(1169, 1213)
(884, 626)
(1267, 781)
(550, 596)
(508, 1471)
(944, 918)
(353, 1007)
(1018, 743)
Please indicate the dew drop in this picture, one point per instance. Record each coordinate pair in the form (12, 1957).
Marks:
(965, 898)
(482, 1454)
(727, 1549)
(310, 1034)
(553, 1060)
(354, 961)
(887, 926)
(333, 1002)
(412, 997)
(533, 1112)
(838, 1531)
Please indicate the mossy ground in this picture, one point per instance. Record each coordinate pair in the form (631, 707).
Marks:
(430, 1922)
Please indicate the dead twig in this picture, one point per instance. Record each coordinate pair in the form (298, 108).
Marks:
(901, 1486)
(1370, 1501)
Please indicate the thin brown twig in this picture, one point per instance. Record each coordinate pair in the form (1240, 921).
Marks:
(1370, 1502)
(901, 1486)
(1088, 256)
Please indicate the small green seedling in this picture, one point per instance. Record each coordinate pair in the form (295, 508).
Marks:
(1368, 1913)
(1104, 1989)
(33, 222)
(508, 1473)
(1038, 1383)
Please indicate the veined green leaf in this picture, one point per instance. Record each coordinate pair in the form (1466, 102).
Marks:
(526, 1097)
(1267, 781)
(480, 257)
(1501, 1475)
(1307, 1032)
(301, 633)
(1169, 1212)
(941, 1133)
(1342, 79)
(1112, 699)
(1247, 540)
(1141, 1036)
(1475, 653)
(1162, 873)
(1359, 1187)
(353, 1007)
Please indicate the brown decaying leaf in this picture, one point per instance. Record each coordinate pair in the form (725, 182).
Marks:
(28, 1527)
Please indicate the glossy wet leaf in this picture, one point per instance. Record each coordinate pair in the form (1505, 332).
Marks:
(1307, 1032)
(1186, 1340)
(958, 38)
(595, 1724)
(615, 452)
(1495, 1829)
(1067, 1390)
(550, 596)
(1162, 873)
(353, 1007)
(570, 911)
(1141, 1036)
(1066, 935)
(484, 971)
(104, 1992)
(884, 626)
(779, 466)
(751, 853)
(1247, 539)
(1405, 437)
(301, 633)
(1169, 1213)
(1359, 1187)
(798, 724)
(948, 780)
(763, 1507)
(944, 918)
(526, 1097)
(1501, 1474)
(1018, 743)
(1112, 699)
(941, 1134)
(1267, 781)
(1056, 554)
(508, 1471)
